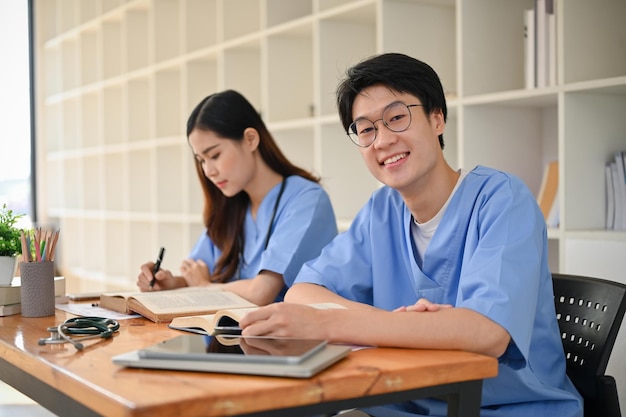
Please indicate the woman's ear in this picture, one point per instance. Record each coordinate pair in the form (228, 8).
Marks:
(251, 138)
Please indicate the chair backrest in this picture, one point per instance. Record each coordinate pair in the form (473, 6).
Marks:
(589, 313)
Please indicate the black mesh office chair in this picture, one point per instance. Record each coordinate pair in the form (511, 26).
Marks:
(590, 312)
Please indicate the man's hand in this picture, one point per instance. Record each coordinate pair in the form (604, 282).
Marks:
(423, 305)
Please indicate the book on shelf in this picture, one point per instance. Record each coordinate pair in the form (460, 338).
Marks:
(540, 44)
(551, 42)
(547, 198)
(529, 48)
(618, 177)
(610, 197)
(163, 306)
(554, 215)
(224, 321)
(11, 294)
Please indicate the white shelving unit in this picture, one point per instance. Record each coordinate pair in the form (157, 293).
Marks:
(116, 80)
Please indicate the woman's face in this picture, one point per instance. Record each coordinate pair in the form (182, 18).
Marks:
(227, 163)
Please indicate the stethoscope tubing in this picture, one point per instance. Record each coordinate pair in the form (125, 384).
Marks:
(90, 327)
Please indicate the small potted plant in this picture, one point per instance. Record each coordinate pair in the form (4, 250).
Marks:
(10, 244)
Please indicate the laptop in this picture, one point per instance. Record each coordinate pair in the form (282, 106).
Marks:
(286, 357)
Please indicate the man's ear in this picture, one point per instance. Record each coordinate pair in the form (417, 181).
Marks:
(251, 138)
(437, 121)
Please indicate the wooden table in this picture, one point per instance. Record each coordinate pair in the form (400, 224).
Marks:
(87, 383)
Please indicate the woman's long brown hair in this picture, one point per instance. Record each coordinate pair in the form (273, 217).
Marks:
(228, 114)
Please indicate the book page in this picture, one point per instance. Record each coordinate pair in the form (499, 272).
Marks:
(208, 322)
(163, 302)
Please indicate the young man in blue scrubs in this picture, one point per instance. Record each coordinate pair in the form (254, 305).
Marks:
(437, 258)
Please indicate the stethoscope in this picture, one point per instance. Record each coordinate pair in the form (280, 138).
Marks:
(90, 327)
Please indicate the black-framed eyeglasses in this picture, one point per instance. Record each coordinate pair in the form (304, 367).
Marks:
(396, 116)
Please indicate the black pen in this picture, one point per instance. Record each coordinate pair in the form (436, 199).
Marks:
(157, 266)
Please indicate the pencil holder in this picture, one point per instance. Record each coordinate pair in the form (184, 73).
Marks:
(37, 288)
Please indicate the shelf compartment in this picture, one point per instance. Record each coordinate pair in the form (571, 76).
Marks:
(111, 47)
(166, 29)
(434, 23)
(344, 40)
(90, 124)
(142, 248)
(344, 174)
(298, 145)
(169, 159)
(54, 183)
(109, 5)
(67, 14)
(280, 11)
(492, 46)
(138, 109)
(139, 190)
(93, 232)
(88, 11)
(171, 235)
(91, 178)
(52, 120)
(112, 107)
(69, 65)
(72, 174)
(52, 78)
(588, 147)
(46, 19)
(598, 52)
(201, 80)
(89, 57)
(116, 252)
(70, 139)
(168, 117)
(290, 74)
(115, 183)
(528, 132)
(201, 24)
(240, 17)
(242, 72)
(136, 39)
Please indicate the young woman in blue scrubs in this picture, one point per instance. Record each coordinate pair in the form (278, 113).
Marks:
(437, 258)
(264, 216)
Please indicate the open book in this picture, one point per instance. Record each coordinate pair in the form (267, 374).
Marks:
(224, 321)
(163, 306)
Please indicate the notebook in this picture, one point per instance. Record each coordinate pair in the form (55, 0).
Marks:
(297, 358)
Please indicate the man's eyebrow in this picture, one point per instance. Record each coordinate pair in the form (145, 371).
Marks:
(384, 108)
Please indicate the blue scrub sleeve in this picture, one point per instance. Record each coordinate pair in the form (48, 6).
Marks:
(502, 267)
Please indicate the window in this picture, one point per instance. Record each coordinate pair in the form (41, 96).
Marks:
(15, 110)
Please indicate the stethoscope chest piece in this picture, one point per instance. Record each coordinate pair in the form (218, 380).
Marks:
(84, 327)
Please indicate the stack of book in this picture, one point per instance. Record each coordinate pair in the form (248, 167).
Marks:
(615, 171)
(10, 295)
(540, 44)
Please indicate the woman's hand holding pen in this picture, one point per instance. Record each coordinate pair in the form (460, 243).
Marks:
(164, 279)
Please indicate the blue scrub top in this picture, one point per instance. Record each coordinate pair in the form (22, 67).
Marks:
(304, 223)
(488, 254)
